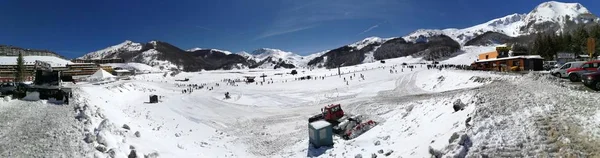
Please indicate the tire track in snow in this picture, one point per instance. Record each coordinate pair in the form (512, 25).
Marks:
(534, 117)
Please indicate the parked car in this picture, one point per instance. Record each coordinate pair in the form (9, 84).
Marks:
(575, 73)
(562, 71)
(592, 80)
(9, 88)
(549, 65)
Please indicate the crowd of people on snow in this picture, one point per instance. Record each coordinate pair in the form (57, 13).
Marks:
(189, 88)
(448, 66)
(346, 76)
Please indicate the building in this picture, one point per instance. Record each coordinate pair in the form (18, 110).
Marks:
(15, 51)
(108, 68)
(123, 72)
(7, 73)
(488, 55)
(99, 61)
(320, 133)
(503, 60)
(564, 57)
(8, 66)
(80, 69)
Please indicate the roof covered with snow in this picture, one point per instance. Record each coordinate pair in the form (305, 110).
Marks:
(514, 57)
(320, 124)
(30, 60)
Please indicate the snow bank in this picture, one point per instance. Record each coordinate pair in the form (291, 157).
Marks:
(447, 80)
(32, 96)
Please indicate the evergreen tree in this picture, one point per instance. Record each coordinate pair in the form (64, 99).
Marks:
(579, 40)
(537, 44)
(566, 42)
(20, 69)
(595, 33)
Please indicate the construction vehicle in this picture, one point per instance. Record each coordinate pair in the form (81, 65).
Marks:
(346, 126)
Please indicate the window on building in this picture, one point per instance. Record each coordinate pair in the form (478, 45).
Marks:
(323, 133)
(516, 63)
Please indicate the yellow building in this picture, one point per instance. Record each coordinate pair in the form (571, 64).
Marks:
(108, 69)
(488, 55)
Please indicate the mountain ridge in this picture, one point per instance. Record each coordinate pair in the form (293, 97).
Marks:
(428, 44)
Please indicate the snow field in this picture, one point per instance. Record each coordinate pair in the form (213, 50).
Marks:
(269, 120)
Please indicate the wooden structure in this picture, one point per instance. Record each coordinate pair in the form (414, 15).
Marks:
(514, 63)
(488, 55)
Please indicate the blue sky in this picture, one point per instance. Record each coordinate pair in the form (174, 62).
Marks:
(75, 27)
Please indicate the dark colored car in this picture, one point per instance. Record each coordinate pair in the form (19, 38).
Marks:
(576, 73)
(592, 80)
(9, 88)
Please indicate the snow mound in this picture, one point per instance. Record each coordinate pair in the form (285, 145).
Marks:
(32, 96)
(447, 80)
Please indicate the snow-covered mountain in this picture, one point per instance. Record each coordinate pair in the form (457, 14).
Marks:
(548, 16)
(269, 58)
(430, 44)
(212, 50)
(113, 51)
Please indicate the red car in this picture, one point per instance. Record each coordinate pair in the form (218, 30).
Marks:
(587, 67)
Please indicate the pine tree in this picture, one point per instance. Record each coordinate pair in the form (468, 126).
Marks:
(566, 42)
(537, 44)
(20, 69)
(579, 40)
(595, 33)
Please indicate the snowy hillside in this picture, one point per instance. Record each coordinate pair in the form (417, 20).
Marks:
(517, 24)
(197, 49)
(553, 11)
(508, 25)
(365, 42)
(468, 55)
(113, 51)
(369, 40)
(276, 55)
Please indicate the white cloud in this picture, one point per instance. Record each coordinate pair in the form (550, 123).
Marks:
(281, 32)
(204, 28)
(300, 15)
(369, 29)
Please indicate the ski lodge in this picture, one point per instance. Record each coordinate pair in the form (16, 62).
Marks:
(503, 59)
